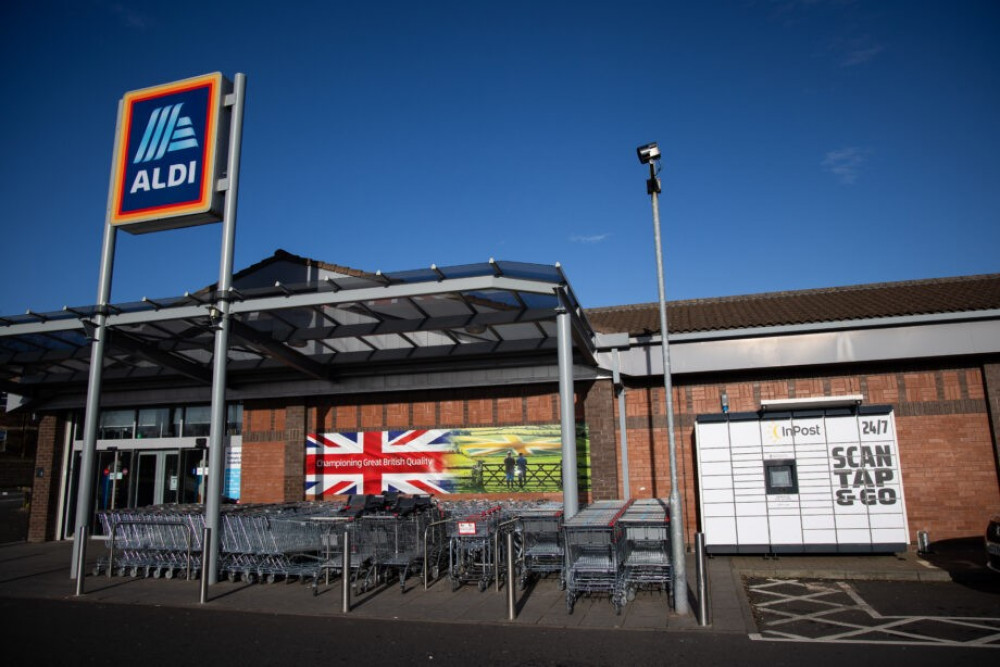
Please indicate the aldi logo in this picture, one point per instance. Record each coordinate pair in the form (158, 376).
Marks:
(167, 150)
(166, 130)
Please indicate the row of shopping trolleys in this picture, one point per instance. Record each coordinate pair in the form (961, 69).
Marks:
(617, 548)
(609, 547)
(389, 537)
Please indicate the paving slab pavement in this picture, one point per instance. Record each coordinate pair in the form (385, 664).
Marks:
(42, 570)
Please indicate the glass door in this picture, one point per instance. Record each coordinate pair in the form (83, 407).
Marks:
(112, 480)
(157, 479)
(138, 478)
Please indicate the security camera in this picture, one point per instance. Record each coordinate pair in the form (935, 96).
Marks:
(648, 153)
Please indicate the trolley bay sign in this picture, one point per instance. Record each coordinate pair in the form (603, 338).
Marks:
(167, 153)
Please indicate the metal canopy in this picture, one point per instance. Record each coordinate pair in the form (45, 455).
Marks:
(310, 330)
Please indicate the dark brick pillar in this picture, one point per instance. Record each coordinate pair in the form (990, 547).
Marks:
(600, 418)
(991, 382)
(45, 489)
(295, 453)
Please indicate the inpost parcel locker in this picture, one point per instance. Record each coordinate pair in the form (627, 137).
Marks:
(806, 479)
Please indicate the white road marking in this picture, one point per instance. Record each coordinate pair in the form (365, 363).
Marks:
(830, 598)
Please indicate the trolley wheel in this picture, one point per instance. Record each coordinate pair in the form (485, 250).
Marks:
(121, 571)
(562, 584)
(271, 578)
(232, 575)
(134, 572)
(570, 600)
(483, 585)
(169, 573)
(435, 571)
(630, 594)
(156, 573)
(522, 583)
(249, 577)
(96, 571)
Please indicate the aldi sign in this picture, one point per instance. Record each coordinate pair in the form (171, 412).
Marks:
(168, 151)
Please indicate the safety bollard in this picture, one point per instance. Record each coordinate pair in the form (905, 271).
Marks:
(511, 575)
(345, 574)
(206, 536)
(81, 534)
(704, 595)
(206, 540)
(426, 533)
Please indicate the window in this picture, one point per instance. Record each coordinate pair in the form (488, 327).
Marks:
(780, 476)
(192, 421)
(234, 419)
(155, 423)
(197, 421)
(116, 425)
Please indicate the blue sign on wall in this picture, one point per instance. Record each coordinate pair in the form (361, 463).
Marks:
(166, 154)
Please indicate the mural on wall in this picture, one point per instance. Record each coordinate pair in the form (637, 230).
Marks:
(503, 459)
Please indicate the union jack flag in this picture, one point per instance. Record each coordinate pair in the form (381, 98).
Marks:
(378, 461)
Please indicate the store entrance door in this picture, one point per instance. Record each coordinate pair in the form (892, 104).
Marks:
(158, 479)
(168, 477)
(130, 478)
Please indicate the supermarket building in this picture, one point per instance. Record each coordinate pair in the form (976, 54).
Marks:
(840, 419)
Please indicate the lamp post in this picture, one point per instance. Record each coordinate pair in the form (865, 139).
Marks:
(650, 154)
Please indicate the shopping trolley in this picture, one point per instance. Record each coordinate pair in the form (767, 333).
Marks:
(271, 542)
(152, 541)
(396, 545)
(541, 541)
(593, 552)
(471, 539)
(646, 562)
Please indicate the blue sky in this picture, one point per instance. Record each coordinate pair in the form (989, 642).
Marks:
(805, 143)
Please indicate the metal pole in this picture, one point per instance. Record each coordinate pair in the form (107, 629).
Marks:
(111, 548)
(79, 565)
(567, 415)
(206, 539)
(85, 491)
(619, 387)
(345, 574)
(426, 533)
(676, 510)
(511, 611)
(216, 453)
(704, 591)
(496, 546)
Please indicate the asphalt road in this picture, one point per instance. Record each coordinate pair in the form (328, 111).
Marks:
(70, 632)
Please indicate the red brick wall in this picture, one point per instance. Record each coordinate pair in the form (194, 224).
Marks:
(273, 468)
(264, 468)
(946, 444)
(944, 428)
(45, 490)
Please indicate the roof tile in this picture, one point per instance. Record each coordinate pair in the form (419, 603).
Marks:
(856, 302)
